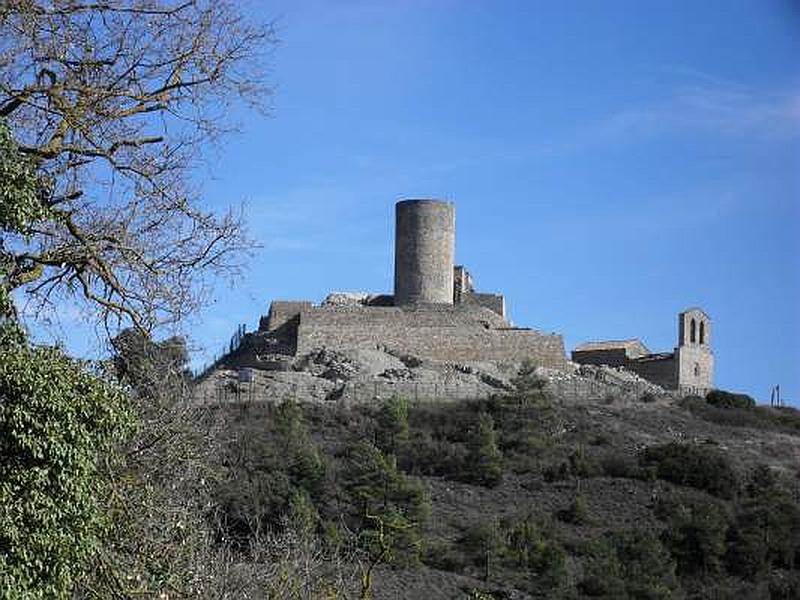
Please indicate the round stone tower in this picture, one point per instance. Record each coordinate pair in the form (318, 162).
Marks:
(423, 252)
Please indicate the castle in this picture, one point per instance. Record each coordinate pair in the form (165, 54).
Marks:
(435, 314)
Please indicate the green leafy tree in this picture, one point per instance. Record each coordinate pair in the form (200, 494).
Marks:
(20, 203)
(21, 209)
(484, 459)
(302, 516)
(60, 421)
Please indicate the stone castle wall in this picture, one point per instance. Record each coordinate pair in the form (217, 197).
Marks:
(494, 302)
(444, 333)
(658, 369)
(281, 312)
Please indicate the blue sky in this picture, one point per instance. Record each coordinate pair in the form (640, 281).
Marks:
(611, 163)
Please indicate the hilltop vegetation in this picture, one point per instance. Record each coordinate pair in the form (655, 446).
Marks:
(525, 495)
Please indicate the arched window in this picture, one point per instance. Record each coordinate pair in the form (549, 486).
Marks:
(693, 331)
(702, 332)
(696, 370)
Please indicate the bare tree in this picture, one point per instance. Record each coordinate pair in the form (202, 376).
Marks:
(113, 102)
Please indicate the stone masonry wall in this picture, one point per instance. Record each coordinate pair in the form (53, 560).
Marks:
(283, 311)
(660, 371)
(695, 367)
(494, 302)
(613, 357)
(456, 333)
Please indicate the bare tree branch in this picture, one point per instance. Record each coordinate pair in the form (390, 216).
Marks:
(114, 102)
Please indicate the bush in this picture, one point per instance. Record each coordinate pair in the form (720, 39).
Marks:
(59, 426)
(530, 546)
(578, 511)
(443, 556)
(619, 464)
(766, 529)
(270, 468)
(555, 473)
(630, 564)
(483, 543)
(784, 586)
(729, 400)
(696, 533)
(424, 455)
(520, 547)
(581, 463)
(699, 467)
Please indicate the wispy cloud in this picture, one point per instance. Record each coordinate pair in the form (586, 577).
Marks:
(692, 104)
(710, 107)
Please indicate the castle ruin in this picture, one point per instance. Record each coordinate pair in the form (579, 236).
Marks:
(434, 312)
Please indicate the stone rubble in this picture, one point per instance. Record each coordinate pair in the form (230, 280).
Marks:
(347, 299)
(324, 375)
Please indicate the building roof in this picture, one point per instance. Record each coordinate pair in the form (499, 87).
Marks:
(656, 356)
(632, 347)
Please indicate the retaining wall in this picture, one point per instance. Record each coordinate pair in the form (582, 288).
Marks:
(455, 333)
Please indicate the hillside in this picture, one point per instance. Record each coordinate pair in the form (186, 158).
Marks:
(526, 493)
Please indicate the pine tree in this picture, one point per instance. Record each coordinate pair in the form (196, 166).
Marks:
(484, 459)
(393, 425)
